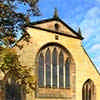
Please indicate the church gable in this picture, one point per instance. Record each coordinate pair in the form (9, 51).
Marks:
(56, 25)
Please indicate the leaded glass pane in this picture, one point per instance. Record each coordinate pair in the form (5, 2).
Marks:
(54, 63)
(48, 68)
(61, 63)
(83, 93)
(90, 93)
(41, 70)
(67, 73)
(87, 93)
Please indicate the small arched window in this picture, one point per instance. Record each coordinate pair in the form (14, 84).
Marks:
(88, 90)
(56, 26)
(12, 90)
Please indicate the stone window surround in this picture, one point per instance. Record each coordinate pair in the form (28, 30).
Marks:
(66, 56)
(89, 90)
(63, 91)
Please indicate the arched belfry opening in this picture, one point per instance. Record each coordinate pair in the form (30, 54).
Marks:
(89, 90)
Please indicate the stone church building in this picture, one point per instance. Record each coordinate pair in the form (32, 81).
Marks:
(63, 69)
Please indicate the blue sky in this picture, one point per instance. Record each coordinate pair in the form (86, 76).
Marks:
(77, 13)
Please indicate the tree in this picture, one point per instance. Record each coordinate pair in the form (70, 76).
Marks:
(10, 65)
(11, 21)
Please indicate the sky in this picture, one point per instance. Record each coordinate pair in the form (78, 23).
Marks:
(77, 13)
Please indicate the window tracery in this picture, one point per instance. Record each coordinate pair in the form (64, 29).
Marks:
(53, 68)
(88, 91)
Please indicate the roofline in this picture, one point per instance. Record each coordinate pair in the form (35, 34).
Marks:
(54, 32)
(53, 19)
(70, 28)
(42, 21)
(90, 60)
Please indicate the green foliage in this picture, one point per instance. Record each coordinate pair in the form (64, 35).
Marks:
(11, 22)
(11, 67)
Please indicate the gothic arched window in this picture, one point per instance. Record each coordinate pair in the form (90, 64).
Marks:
(88, 91)
(12, 89)
(12, 92)
(54, 68)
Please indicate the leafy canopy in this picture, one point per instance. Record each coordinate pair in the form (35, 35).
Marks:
(11, 25)
(12, 21)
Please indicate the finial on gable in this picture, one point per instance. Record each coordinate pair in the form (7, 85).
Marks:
(55, 13)
(79, 31)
